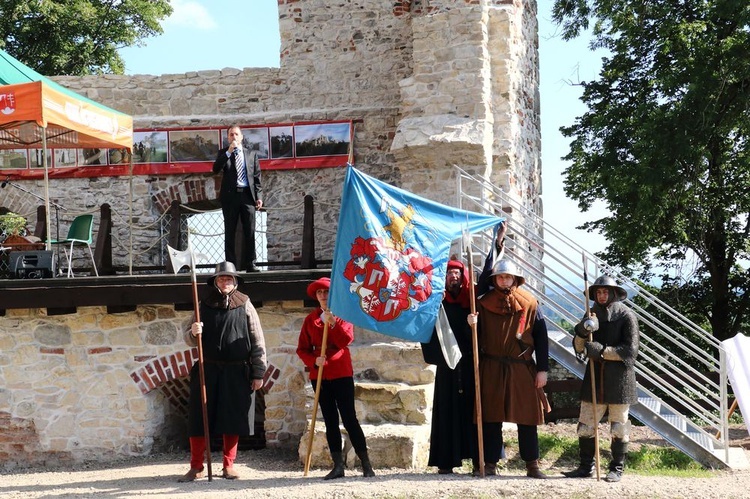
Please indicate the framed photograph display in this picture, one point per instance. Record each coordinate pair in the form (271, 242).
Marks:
(11, 159)
(255, 139)
(193, 145)
(282, 141)
(188, 150)
(119, 157)
(35, 158)
(150, 147)
(66, 158)
(322, 139)
(92, 157)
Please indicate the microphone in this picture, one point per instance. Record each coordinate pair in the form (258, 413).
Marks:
(5, 182)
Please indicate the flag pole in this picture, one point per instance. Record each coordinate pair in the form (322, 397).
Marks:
(308, 458)
(592, 369)
(475, 349)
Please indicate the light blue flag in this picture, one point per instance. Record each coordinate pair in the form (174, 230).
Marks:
(391, 256)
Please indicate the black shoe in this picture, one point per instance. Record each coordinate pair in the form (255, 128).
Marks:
(253, 268)
(583, 471)
(613, 475)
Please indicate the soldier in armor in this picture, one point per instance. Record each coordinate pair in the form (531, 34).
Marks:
(513, 365)
(614, 330)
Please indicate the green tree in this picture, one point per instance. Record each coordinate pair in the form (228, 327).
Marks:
(77, 37)
(665, 143)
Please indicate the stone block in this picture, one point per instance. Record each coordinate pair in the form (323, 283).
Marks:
(393, 403)
(389, 446)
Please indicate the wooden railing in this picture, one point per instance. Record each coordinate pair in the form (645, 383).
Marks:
(103, 240)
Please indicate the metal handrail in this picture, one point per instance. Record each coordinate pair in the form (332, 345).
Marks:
(669, 361)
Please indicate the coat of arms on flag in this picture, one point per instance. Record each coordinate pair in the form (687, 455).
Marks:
(391, 256)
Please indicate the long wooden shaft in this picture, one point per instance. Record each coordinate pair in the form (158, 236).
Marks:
(592, 372)
(311, 439)
(475, 349)
(204, 401)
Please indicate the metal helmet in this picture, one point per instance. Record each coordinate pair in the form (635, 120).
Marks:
(224, 268)
(605, 281)
(508, 267)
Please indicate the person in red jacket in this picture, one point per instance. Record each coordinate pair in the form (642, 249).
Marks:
(337, 386)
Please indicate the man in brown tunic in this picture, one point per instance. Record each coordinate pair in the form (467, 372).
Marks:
(513, 364)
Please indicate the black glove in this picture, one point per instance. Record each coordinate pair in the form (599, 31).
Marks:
(587, 326)
(594, 350)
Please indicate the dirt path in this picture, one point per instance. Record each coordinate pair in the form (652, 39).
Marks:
(278, 474)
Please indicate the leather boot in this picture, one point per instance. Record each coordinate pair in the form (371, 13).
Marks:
(338, 466)
(533, 471)
(191, 475)
(617, 465)
(367, 470)
(490, 469)
(586, 450)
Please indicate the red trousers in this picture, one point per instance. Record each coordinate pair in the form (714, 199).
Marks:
(198, 451)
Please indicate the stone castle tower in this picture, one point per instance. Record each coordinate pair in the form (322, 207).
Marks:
(431, 83)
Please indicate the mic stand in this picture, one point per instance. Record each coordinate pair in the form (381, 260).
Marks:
(57, 214)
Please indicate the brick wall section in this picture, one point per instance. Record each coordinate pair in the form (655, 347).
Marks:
(159, 371)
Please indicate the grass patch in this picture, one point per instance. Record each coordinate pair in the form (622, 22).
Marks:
(562, 453)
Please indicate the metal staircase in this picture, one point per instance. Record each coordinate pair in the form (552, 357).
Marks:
(681, 369)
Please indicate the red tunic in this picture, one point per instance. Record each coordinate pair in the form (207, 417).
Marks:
(338, 359)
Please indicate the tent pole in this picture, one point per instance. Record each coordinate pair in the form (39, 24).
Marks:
(130, 228)
(47, 221)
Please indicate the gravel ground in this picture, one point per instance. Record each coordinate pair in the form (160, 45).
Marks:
(277, 473)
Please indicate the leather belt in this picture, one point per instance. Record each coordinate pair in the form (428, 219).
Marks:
(241, 189)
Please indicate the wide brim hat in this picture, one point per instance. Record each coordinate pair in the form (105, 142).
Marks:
(313, 287)
(609, 283)
(508, 267)
(225, 268)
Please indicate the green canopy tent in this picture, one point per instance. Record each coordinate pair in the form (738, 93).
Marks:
(37, 112)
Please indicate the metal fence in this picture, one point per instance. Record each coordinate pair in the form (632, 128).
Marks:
(682, 365)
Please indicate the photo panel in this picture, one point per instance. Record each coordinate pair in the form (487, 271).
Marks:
(323, 139)
(35, 158)
(256, 139)
(150, 147)
(66, 158)
(13, 159)
(193, 145)
(282, 141)
(92, 157)
(119, 157)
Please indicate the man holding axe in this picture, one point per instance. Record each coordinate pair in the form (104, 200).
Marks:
(609, 337)
(234, 360)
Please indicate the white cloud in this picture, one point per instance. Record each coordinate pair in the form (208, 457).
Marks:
(192, 14)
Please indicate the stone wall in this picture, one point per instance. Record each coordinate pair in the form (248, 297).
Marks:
(96, 386)
(431, 83)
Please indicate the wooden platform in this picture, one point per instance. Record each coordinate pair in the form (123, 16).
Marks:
(122, 293)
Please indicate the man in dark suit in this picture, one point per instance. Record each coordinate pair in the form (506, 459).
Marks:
(240, 196)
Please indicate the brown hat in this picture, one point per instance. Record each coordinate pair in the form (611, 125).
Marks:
(322, 283)
(224, 268)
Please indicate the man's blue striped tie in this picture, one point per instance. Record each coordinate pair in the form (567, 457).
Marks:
(240, 164)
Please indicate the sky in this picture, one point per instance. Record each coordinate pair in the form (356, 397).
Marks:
(199, 36)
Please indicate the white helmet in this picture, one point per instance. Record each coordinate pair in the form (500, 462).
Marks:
(508, 267)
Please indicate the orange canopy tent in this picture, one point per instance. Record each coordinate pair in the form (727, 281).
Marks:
(36, 111)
